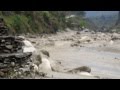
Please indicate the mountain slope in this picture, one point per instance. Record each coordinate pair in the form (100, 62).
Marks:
(34, 21)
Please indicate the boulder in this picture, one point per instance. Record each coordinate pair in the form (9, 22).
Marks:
(56, 66)
(78, 32)
(80, 69)
(115, 36)
(111, 42)
(28, 47)
(74, 44)
(45, 53)
(85, 39)
(34, 68)
(45, 66)
(36, 59)
(85, 74)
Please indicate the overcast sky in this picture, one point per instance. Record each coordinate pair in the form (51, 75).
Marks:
(98, 13)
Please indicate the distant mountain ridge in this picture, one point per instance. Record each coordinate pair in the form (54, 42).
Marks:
(104, 21)
(99, 13)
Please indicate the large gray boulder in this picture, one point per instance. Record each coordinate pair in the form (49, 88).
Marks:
(80, 69)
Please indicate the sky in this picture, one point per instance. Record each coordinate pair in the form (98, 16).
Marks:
(99, 13)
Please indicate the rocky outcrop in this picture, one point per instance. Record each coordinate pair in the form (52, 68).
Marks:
(10, 44)
(12, 57)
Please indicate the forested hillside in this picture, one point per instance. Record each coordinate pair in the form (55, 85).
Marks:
(34, 21)
(37, 21)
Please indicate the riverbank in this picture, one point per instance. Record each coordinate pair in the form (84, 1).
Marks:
(72, 49)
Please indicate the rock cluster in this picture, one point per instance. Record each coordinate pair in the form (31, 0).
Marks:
(11, 52)
(10, 44)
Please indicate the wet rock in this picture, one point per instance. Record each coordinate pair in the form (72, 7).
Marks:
(85, 39)
(115, 36)
(98, 77)
(116, 58)
(45, 66)
(81, 46)
(70, 39)
(104, 45)
(80, 69)
(12, 64)
(105, 78)
(34, 68)
(28, 47)
(42, 74)
(56, 66)
(45, 53)
(74, 44)
(95, 39)
(85, 74)
(78, 32)
(78, 42)
(39, 58)
(111, 42)
(92, 32)
(36, 58)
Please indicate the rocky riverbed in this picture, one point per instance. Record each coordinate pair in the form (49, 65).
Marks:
(73, 49)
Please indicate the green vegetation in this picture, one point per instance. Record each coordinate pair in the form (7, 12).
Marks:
(39, 21)
(34, 21)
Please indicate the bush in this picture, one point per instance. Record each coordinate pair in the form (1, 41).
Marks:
(82, 23)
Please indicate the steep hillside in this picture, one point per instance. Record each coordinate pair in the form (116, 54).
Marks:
(34, 21)
(41, 21)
